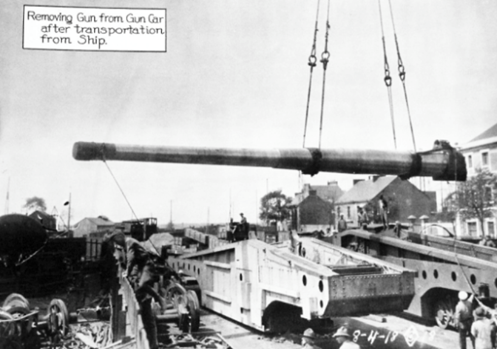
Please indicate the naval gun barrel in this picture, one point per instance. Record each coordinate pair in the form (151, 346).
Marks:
(441, 163)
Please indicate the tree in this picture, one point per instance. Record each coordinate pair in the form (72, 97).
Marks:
(473, 198)
(275, 206)
(35, 203)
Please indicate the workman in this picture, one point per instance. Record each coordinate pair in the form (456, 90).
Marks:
(308, 338)
(363, 218)
(383, 206)
(342, 224)
(244, 226)
(140, 270)
(342, 336)
(487, 242)
(481, 330)
(464, 318)
(397, 229)
(492, 312)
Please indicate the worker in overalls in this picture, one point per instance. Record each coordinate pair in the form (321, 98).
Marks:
(464, 318)
(140, 270)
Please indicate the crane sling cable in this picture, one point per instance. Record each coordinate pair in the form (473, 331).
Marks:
(388, 78)
(312, 63)
(325, 57)
(402, 76)
(466, 278)
(117, 183)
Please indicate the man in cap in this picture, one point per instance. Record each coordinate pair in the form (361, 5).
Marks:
(308, 339)
(244, 226)
(342, 336)
(464, 318)
(481, 330)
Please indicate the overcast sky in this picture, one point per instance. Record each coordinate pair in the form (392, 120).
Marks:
(235, 75)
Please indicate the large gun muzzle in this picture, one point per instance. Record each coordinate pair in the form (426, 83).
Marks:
(441, 163)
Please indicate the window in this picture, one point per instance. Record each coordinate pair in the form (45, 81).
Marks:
(491, 228)
(488, 194)
(472, 229)
(470, 161)
(348, 212)
(484, 159)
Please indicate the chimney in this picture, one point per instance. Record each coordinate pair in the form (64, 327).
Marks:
(355, 181)
(374, 178)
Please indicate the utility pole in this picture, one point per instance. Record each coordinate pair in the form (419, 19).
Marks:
(7, 197)
(69, 214)
(68, 203)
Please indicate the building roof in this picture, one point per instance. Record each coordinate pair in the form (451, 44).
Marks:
(313, 198)
(366, 190)
(98, 221)
(329, 192)
(487, 137)
(41, 215)
(490, 133)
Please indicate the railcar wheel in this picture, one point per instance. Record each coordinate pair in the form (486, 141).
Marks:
(15, 300)
(58, 309)
(188, 312)
(193, 310)
(444, 313)
(173, 290)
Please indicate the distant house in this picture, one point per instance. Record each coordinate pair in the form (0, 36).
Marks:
(481, 152)
(87, 226)
(48, 221)
(310, 206)
(404, 199)
(312, 214)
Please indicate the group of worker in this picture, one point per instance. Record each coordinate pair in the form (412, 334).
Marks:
(342, 336)
(363, 216)
(480, 325)
(140, 268)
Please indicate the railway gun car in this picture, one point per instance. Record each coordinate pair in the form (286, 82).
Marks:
(445, 267)
(254, 283)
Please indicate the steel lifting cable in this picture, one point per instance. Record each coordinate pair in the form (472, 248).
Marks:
(122, 192)
(325, 57)
(388, 78)
(312, 63)
(402, 76)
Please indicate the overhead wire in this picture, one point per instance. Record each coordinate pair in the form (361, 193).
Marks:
(387, 78)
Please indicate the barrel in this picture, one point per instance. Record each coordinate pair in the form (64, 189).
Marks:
(441, 163)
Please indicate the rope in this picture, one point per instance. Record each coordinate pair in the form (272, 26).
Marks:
(19, 262)
(402, 76)
(388, 78)
(325, 56)
(122, 192)
(312, 64)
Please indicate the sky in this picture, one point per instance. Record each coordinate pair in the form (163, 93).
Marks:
(235, 75)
